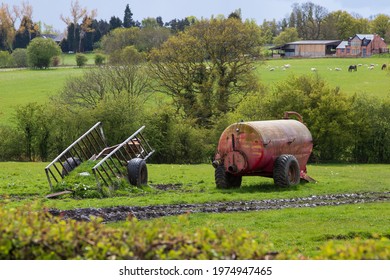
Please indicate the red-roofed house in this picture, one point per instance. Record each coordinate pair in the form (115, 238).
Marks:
(362, 45)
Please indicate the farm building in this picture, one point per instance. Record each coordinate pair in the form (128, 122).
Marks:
(311, 48)
(362, 45)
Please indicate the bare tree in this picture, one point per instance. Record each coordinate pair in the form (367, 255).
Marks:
(77, 13)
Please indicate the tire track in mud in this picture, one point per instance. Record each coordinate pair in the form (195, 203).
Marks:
(120, 213)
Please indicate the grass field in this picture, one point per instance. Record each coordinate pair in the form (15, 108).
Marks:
(70, 59)
(371, 82)
(196, 184)
(305, 229)
(18, 87)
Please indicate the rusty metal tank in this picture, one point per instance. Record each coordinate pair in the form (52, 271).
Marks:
(278, 149)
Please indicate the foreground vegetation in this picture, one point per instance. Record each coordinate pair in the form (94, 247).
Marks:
(350, 231)
(38, 235)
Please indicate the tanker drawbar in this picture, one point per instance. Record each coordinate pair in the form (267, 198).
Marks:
(278, 149)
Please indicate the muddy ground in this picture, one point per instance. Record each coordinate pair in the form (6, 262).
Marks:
(120, 213)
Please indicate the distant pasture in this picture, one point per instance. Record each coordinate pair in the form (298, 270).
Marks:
(19, 87)
(368, 79)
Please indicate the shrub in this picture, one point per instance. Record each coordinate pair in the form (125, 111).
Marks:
(55, 61)
(20, 57)
(6, 59)
(99, 59)
(40, 52)
(30, 235)
(357, 249)
(10, 148)
(81, 59)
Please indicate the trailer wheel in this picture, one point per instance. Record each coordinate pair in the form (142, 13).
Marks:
(70, 164)
(225, 180)
(137, 172)
(286, 171)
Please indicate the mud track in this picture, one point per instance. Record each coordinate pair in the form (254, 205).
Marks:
(119, 213)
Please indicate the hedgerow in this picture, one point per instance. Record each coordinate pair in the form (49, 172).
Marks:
(27, 234)
(376, 248)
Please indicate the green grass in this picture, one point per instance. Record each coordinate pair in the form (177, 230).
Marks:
(195, 184)
(19, 87)
(305, 229)
(70, 59)
(371, 82)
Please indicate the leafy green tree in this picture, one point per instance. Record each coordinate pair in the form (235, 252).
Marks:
(115, 23)
(127, 56)
(34, 124)
(27, 31)
(150, 22)
(118, 39)
(371, 129)
(380, 25)
(128, 18)
(268, 30)
(151, 37)
(288, 35)
(10, 148)
(40, 52)
(308, 19)
(339, 24)
(177, 25)
(208, 68)
(159, 21)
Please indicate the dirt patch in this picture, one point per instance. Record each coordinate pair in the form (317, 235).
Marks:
(167, 187)
(120, 213)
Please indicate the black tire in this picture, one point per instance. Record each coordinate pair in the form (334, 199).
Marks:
(225, 180)
(69, 164)
(137, 172)
(286, 171)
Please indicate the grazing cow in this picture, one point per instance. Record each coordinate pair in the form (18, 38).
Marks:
(384, 66)
(352, 68)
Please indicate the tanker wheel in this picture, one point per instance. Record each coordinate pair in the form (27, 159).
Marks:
(286, 171)
(225, 180)
(137, 172)
(70, 164)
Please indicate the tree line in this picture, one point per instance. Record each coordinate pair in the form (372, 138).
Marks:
(307, 21)
(83, 31)
(186, 92)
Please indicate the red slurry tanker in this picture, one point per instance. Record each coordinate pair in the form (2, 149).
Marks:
(278, 149)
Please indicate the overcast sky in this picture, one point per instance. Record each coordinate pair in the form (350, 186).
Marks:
(49, 11)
